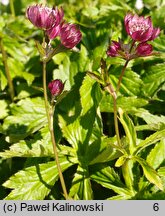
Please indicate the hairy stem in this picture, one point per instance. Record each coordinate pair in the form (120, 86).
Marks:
(4, 59)
(12, 8)
(50, 113)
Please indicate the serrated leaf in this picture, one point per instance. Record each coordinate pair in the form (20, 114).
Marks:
(28, 116)
(40, 146)
(154, 78)
(129, 129)
(154, 122)
(131, 83)
(39, 178)
(149, 172)
(104, 152)
(79, 132)
(128, 104)
(157, 155)
(157, 136)
(127, 171)
(81, 187)
(90, 94)
(108, 178)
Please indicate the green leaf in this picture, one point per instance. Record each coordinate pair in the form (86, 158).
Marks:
(161, 171)
(81, 186)
(154, 78)
(108, 178)
(154, 122)
(149, 172)
(79, 132)
(131, 83)
(3, 82)
(128, 104)
(150, 140)
(90, 95)
(40, 146)
(4, 109)
(120, 161)
(39, 178)
(104, 151)
(129, 129)
(127, 171)
(157, 155)
(28, 116)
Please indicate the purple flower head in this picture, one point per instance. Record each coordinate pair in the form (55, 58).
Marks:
(44, 17)
(144, 49)
(113, 49)
(70, 35)
(140, 28)
(56, 87)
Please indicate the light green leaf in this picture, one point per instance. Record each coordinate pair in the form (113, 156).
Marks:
(157, 155)
(90, 95)
(81, 187)
(129, 129)
(127, 171)
(157, 136)
(154, 78)
(131, 83)
(40, 146)
(35, 182)
(161, 171)
(149, 172)
(79, 132)
(28, 116)
(4, 109)
(108, 178)
(104, 151)
(154, 122)
(120, 161)
(128, 104)
(3, 79)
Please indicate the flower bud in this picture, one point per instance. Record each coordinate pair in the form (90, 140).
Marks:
(140, 28)
(144, 49)
(56, 87)
(44, 17)
(70, 35)
(113, 49)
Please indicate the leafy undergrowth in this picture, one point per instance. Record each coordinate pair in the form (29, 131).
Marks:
(94, 167)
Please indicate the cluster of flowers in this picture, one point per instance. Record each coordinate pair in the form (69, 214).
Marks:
(52, 22)
(141, 30)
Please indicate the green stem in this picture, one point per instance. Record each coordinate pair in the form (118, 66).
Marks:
(111, 90)
(4, 59)
(12, 8)
(124, 68)
(121, 75)
(49, 113)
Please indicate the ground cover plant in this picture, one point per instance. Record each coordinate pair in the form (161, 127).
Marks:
(82, 100)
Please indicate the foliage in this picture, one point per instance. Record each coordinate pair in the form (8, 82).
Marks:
(94, 167)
